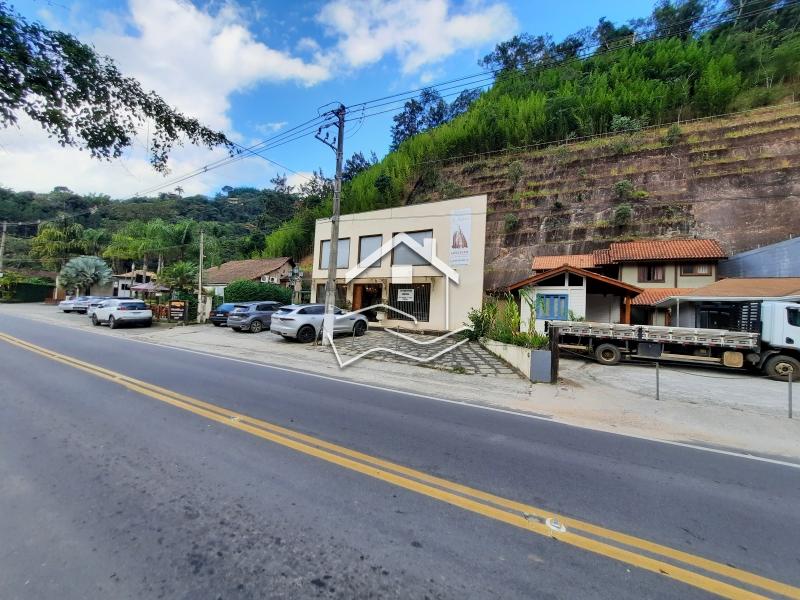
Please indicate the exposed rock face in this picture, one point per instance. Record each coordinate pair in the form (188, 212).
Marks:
(733, 179)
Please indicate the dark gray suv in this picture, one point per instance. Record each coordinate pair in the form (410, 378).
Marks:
(252, 316)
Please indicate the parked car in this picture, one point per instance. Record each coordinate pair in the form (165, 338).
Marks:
(81, 304)
(219, 316)
(303, 322)
(117, 312)
(94, 303)
(67, 304)
(252, 316)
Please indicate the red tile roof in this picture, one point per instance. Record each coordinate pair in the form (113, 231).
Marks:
(243, 269)
(582, 261)
(615, 283)
(601, 257)
(653, 295)
(665, 250)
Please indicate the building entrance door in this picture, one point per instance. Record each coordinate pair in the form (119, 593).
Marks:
(367, 294)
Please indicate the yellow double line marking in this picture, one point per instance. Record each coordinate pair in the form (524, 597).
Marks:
(632, 550)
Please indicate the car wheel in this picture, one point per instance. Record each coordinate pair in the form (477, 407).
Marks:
(256, 326)
(306, 334)
(781, 366)
(67, 311)
(112, 323)
(95, 320)
(607, 354)
(148, 323)
(216, 324)
(360, 328)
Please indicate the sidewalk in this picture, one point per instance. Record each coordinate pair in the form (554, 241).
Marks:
(697, 406)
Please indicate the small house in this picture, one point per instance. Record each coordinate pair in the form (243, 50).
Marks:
(265, 270)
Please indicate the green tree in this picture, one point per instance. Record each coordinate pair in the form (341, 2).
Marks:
(180, 276)
(81, 99)
(82, 272)
(57, 241)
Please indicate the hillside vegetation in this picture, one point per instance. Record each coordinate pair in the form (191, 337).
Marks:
(749, 60)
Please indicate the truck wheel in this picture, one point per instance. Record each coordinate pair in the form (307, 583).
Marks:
(607, 354)
(779, 367)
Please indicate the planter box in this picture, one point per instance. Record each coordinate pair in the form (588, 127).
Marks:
(534, 365)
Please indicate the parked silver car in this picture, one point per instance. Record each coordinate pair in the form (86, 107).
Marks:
(252, 316)
(303, 322)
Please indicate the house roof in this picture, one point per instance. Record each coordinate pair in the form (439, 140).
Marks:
(665, 250)
(652, 295)
(755, 287)
(616, 283)
(243, 269)
(582, 261)
(633, 251)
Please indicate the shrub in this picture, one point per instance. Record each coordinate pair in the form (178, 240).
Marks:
(482, 320)
(244, 290)
(558, 205)
(624, 189)
(511, 222)
(623, 214)
(673, 135)
(621, 123)
(515, 172)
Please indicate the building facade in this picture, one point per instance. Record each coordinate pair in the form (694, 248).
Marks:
(436, 277)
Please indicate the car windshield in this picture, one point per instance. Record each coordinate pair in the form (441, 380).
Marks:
(227, 307)
(241, 308)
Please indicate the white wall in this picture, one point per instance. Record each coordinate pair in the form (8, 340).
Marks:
(603, 308)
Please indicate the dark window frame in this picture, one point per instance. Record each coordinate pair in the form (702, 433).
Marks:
(642, 271)
(695, 265)
(424, 262)
(790, 312)
(322, 243)
(360, 257)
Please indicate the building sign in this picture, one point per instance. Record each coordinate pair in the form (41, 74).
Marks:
(460, 236)
(405, 295)
(177, 310)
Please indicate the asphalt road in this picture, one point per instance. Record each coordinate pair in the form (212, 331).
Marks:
(110, 492)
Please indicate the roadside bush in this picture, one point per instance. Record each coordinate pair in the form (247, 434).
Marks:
(482, 320)
(244, 290)
(502, 323)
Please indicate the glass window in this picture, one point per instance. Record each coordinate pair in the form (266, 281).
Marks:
(403, 255)
(696, 269)
(552, 307)
(312, 310)
(342, 257)
(793, 316)
(651, 273)
(368, 244)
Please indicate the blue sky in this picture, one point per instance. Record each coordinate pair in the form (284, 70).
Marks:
(255, 69)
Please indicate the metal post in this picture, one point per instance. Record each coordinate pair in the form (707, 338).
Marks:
(658, 382)
(199, 282)
(790, 394)
(3, 244)
(333, 253)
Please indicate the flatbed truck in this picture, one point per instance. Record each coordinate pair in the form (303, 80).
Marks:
(774, 349)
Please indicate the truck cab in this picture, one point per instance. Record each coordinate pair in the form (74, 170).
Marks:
(780, 339)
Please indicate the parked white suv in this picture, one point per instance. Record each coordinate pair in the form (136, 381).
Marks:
(117, 312)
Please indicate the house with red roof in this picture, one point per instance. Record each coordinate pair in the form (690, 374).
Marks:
(657, 268)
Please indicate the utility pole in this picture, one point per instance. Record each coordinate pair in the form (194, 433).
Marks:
(3, 245)
(200, 279)
(333, 253)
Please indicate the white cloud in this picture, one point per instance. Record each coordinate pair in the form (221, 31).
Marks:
(267, 128)
(417, 32)
(195, 60)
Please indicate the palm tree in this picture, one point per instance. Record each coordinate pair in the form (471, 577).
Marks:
(82, 272)
(181, 276)
(56, 241)
(94, 240)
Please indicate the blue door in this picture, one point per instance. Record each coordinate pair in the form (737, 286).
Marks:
(552, 307)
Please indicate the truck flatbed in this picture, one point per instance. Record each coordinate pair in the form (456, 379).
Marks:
(722, 338)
